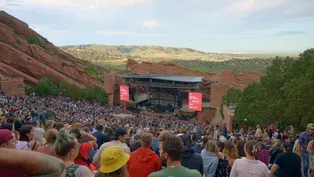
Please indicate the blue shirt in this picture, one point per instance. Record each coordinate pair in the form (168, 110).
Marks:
(101, 138)
(304, 140)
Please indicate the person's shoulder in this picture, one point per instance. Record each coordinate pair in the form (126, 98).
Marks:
(156, 174)
(194, 173)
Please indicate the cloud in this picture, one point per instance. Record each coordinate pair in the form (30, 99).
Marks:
(130, 33)
(151, 24)
(282, 33)
(93, 4)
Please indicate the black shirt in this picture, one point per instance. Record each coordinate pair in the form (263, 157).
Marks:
(289, 165)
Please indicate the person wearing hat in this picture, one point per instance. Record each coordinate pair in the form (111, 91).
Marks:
(113, 163)
(287, 164)
(118, 140)
(100, 136)
(137, 138)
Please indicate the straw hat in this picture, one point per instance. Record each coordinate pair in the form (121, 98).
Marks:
(112, 159)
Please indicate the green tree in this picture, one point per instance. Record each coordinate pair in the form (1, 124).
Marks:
(233, 95)
(46, 86)
(35, 40)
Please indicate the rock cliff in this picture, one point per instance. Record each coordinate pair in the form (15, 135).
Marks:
(25, 53)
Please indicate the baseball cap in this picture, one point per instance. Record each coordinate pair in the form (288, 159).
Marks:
(119, 132)
(5, 135)
(34, 122)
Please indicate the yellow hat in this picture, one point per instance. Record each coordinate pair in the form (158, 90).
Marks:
(112, 159)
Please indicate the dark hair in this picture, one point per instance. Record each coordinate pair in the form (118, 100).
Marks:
(76, 132)
(262, 146)
(240, 147)
(7, 126)
(58, 125)
(287, 146)
(64, 143)
(185, 139)
(220, 146)
(251, 147)
(10, 120)
(174, 147)
(23, 132)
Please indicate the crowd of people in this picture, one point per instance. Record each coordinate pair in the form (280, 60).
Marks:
(58, 136)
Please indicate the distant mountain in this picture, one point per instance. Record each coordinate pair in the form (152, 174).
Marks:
(99, 53)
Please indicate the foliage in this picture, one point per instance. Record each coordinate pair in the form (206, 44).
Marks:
(233, 95)
(48, 87)
(90, 71)
(221, 110)
(285, 95)
(35, 40)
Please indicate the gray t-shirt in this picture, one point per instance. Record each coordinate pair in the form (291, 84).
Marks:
(178, 171)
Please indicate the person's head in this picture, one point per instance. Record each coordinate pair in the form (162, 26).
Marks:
(287, 147)
(211, 146)
(51, 136)
(77, 133)
(220, 146)
(310, 128)
(27, 133)
(185, 139)
(171, 149)
(34, 123)
(113, 161)
(7, 139)
(67, 127)
(250, 148)
(146, 140)
(66, 146)
(262, 146)
(120, 135)
(8, 126)
(277, 145)
(140, 132)
(240, 147)
(58, 125)
(230, 150)
(100, 128)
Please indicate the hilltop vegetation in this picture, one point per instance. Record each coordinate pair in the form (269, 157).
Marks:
(114, 58)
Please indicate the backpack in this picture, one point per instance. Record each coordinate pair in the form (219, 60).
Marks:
(70, 171)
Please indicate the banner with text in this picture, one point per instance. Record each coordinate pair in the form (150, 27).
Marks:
(195, 101)
(124, 93)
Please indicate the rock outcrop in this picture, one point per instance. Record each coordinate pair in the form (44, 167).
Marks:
(25, 53)
(240, 80)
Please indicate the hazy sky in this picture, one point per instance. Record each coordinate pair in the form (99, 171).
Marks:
(208, 25)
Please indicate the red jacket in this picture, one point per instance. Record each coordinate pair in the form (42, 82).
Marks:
(143, 162)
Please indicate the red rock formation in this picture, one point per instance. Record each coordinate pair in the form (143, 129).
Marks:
(18, 58)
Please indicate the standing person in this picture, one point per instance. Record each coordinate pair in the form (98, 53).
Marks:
(310, 149)
(240, 147)
(304, 140)
(170, 151)
(210, 158)
(248, 166)
(118, 140)
(48, 148)
(231, 153)
(224, 130)
(67, 148)
(8, 141)
(263, 154)
(26, 141)
(39, 134)
(100, 136)
(287, 164)
(144, 161)
(189, 158)
(113, 163)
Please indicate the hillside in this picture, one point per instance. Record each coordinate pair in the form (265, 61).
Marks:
(99, 53)
(25, 53)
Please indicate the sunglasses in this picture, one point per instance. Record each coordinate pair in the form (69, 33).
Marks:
(312, 129)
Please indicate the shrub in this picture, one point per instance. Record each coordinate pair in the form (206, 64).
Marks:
(35, 40)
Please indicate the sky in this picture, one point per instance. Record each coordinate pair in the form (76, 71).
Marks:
(235, 26)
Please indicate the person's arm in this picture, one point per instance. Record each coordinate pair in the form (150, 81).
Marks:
(96, 158)
(39, 165)
(301, 141)
(309, 147)
(274, 168)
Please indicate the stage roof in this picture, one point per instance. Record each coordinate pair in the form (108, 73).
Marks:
(191, 79)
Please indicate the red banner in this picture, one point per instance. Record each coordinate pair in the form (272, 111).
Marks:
(124, 93)
(195, 101)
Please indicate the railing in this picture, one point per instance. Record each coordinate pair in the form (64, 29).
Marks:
(163, 85)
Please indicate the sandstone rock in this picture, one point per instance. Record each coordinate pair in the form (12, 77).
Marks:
(32, 62)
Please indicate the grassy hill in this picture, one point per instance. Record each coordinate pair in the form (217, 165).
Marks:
(114, 57)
